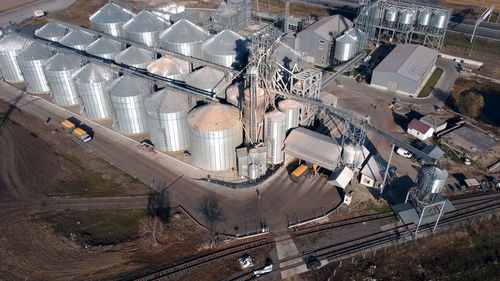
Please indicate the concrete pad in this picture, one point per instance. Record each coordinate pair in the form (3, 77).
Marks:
(293, 271)
(286, 249)
(290, 262)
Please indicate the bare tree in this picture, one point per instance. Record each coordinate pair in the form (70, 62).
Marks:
(151, 230)
(212, 212)
(159, 204)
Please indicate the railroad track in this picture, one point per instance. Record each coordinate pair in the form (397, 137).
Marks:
(481, 203)
(184, 267)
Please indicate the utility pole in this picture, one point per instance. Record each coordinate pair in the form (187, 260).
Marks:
(386, 171)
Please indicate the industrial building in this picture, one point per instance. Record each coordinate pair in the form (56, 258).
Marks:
(420, 130)
(405, 70)
(317, 41)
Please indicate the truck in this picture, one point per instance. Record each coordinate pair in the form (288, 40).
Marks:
(39, 13)
(298, 174)
(76, 130)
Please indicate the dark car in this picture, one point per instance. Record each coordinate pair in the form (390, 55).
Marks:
(312, 262)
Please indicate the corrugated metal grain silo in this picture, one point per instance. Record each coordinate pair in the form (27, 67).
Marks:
(227, 48)
(167, 118)
(52, 31)
(184, 37)
(292, 110)
(209, 79)
(92, 81)
(170, 68)
(105, 48)
(78, 39)
(214, 131)
(110, 19)
(59, 71)
(135, 56)
(10, 47)
(127, 96)
(31, 61)
(274, 135)
(145, 28)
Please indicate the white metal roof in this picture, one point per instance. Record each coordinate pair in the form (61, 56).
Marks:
(328, 26)
(111, 13)
(341, 177)
(408, 60)
(184, 31)
(224, 43)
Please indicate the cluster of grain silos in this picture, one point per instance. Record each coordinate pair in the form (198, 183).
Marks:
(404, 18)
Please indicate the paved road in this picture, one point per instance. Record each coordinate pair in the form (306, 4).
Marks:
(281, 200)
(26, 11)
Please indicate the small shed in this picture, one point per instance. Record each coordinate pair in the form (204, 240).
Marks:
(420, 130)
(372, 174)
(435, 122)
(341, 177)
(434, 152)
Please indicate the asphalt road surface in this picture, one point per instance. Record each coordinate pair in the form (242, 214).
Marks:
(26, 11)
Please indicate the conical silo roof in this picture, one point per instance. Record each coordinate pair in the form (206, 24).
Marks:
(167, 101)
(62, 62)
(214, 117)
(207, 78)
(12, 43)
(52, 31)
(104, 46)
(77, 37)
(93, 73)
(111, 13)
(226, 42)
(169, 67)
(128, 86)
(144, 22)
(184, 31)
(35, 51)
(135, 56)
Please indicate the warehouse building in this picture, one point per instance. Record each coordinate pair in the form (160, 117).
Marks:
(405, 70)
(317, 41)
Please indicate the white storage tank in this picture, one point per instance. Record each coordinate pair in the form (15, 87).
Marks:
(110, 19)
(292, 110)
(209, 79)
(170, 67)
(439, 19)
(167, 118)
(424, 17)
(215, 131)
(52, 32)
(406, 17)
(145, 28)
(105, 48)
(59, 71)
(391, 14)
(184, 37)
(127, 96)
(92, 81)
(31, 61)
(10, 47)
(227, 48)
(345, 47)
(432, 178)
(135, 57)
(274, 135)
(78, 39)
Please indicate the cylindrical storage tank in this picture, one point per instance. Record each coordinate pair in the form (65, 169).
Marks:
(78, 39)
(208, 79)
(127, 96)
(406, 17)
(10, 47)
(292, 110)
(167, 118)
(432, 179)
(274, 135)
(391, 14)
(214, 131)
(31, 61)
(349, 154)
(145, 28)
(345, 47)
(110, 19)
(439, 19)
(135, 57)
(227, 48)
(105, 48)
(92, 81)
(52, 32)
(253, 171)
(174, 38)
(59, 71)
(424, 17)
(170, 67)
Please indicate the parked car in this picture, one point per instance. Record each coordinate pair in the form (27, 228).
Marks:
(403, 152)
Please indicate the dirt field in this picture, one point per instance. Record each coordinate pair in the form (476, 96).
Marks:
(9, 4)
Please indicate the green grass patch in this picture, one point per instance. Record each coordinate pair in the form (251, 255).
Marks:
(3, 115)
(97, 227)
(89, 185)
(72, 159)
(480, 45)
(372, 208)
(431, 83)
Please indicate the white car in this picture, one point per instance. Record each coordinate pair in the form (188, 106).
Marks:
(403, 152)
